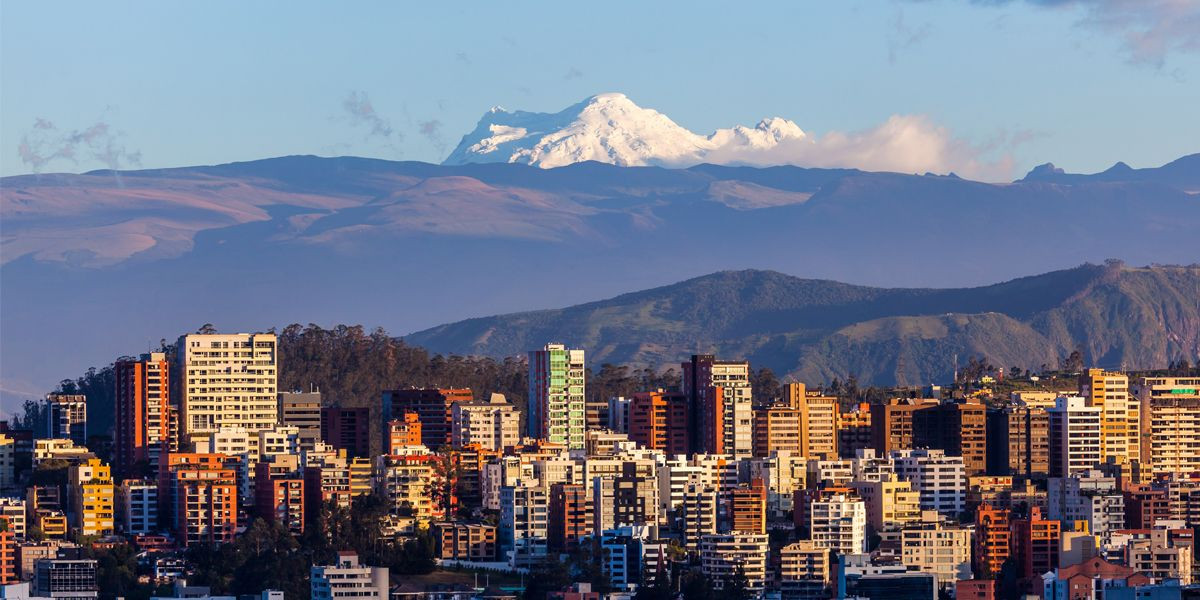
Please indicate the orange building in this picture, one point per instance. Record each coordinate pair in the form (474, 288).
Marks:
(1035, 545)
(8, 554)
(854, 430)
(404, 432)
(992, 541)
(659, 421)
(777, 427)
(202, 494)
(748, 508)
(570, 516)
(143, 412)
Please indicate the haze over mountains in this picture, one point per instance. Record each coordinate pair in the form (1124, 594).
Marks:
(102, 264)
(820, 330)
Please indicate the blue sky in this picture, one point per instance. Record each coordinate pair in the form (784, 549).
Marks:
(1080, 83)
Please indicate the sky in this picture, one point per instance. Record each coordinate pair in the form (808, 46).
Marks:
(995, 86)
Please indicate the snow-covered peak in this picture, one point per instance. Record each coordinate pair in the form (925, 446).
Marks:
(608, 128)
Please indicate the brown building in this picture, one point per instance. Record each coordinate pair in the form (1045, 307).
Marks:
(1144, 506)
(748, 508)
(975, 589)
(432, 407)
(958, 428)
(1035, 546)
(466, 541)
(660, 421)
(777, 427)
(348, 429)
(203, 492)
(992, 541)
(854, 430)
(818, 421)
(279, 494)
(1021, 438)
(892, 423)
(570, 516)
(403, 432)
(142, 426)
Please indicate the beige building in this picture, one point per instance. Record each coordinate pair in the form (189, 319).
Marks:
(8, 464)
(722, 555)
(1170, 423)
(1159, 559)
(804, 571)
(227, 380)
(494, 424)
(890, 502)
(818, 421)
(839, 523)
(1119, 412)
(932, 546)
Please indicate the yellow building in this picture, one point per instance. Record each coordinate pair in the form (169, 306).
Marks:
(890, 502)
(818, 421)
(227, 381)
(1170, 424)
(361, 473)
(804, 570)
(92, 498)
(1120, 414)
(932, 546)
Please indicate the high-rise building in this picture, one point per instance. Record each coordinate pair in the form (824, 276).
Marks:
(1170, 424)
(143, 405)
(66, 417)
(138, 506)
(1035, 543)
(958, 428)
(804, 571)
(723, 556)
(1087, 501)
(523, 523)
(839, 522)
(890, 501)
(302, 410)
(1120, 414)
(892, 423)
(777, 429)
(494, 425)
(557, 397)
(659, 421)
(570, 516)
(931, 545)
(227, 380)
(93, 510)
(1020, 441)
(201, 491)
(818, 421)
(433, 407)
(748, 508)
(279, 492)
(992, 540)
(939, 479)
(1074, 432)
(854, 430)
(347, 428)
(721, 404)
(346, 578)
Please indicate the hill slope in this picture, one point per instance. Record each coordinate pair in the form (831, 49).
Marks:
(818, 330)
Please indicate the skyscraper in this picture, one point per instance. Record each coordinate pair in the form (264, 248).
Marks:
(143, 412)
(556, 395)
(1075, 438)
(227, 380)
(720, 398)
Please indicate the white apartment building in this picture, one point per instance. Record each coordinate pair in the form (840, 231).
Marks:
(940, 480)
(931, 546)
(524, 517)
(494, 424)
(1074, 432)
(137, 505)
(347, 579)
(13, 509)
(1089, 497)
(839, 522)
(722, 555)
(227, 380)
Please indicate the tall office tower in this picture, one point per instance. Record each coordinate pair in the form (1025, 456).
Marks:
(66, 417)
(227, 380)
(1074, 435)
(143, 406)
(958, 428)
(433, 407)
(556, 396)
(659, 421)
(1120, 414)
(302, 410)
(818, 421)
(1020, 441)
(493, 425)
(1170, 423)
(721, 403)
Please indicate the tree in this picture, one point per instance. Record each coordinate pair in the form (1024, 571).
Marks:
(1072, 363)
(206, 329)
(737, 587)
(695, 586)
(447, 475)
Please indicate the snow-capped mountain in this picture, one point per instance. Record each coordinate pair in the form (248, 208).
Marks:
(610, 128)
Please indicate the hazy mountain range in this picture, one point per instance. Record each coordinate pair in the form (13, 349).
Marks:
(102, 264)
(819, 330)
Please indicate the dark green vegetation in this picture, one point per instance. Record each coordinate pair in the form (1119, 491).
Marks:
(818, 331)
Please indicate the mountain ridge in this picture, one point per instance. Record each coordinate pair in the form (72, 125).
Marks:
(819, 330)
